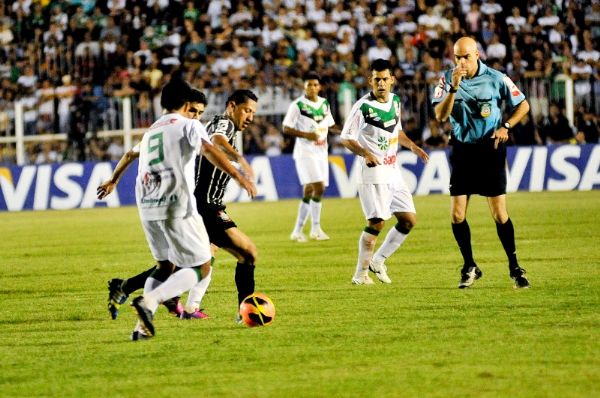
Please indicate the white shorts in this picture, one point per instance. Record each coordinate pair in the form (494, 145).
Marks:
(383, 200)
(182, 241)
(313, 169)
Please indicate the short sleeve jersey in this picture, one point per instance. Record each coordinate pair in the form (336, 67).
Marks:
(306, 115)
(375, 126)
(165, 181)
(211, 182)
(477, 110)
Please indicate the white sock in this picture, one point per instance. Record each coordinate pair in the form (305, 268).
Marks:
(197, 293)
(366, 246)
(303, 210)
(315, 213)
(151, 284)
(178, 283)
(393, 240)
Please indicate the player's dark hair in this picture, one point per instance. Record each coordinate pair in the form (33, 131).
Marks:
(312, 76)
(241, 96)
(379, 65)
(175, 94)
(197, 96)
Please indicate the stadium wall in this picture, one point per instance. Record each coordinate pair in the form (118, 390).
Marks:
(73, 185)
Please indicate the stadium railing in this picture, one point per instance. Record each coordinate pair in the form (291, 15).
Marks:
(127, 118)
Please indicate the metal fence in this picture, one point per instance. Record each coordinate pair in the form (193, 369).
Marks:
(28, 128)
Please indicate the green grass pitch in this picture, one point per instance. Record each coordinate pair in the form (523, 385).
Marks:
(418, 337)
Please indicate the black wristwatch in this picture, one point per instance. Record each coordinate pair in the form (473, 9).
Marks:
(507, 125)
(452, 89)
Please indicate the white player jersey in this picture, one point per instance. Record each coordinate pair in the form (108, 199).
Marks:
(164, 185)
(375, 126)
(306, 115)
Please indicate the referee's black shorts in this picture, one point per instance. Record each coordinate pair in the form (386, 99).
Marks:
(478, 168)
(217, 221)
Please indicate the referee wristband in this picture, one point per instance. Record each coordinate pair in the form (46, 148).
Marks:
(453, 90)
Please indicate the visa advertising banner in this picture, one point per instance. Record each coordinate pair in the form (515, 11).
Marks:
(73, 185)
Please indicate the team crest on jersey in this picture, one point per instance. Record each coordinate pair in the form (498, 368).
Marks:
(485, 109)
(151, 181)
(383, 143)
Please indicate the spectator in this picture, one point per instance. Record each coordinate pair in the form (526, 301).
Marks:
(273, 142)
(549, 19)
(47, 154)
(516, 19)
(556, 128)
(306, 43)
(581, 74)
(380, 50)
(525, 133)
(30, 109)
(587, 129)
(490, 7)
(46, 96)
(435, 137)
(496, 49)
(65, 94)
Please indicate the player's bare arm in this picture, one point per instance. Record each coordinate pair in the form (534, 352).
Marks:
(107, 187)
(444, 108)
(233, 154)
(309, 135)
(357, 149)
(414, 148)
(501, 135)
(335, 129)
(219, 159)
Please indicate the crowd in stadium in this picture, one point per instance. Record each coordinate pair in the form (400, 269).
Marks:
(68, 60)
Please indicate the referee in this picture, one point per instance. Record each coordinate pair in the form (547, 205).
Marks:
(471, 95)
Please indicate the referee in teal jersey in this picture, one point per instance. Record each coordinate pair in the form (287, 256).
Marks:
(472, 95)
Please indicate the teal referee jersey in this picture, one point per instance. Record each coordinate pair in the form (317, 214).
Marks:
(477, 110)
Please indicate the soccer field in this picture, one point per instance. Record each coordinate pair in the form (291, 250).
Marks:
(418, 337)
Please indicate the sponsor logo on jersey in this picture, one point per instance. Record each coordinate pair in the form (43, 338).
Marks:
(439, 89)
(383, 143)
(514, 90)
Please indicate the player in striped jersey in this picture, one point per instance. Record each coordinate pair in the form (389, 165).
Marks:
(175, 232)
(308, 119)
(211, 184)
(373, 131)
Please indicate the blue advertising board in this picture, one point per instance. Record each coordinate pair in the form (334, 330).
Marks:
(73, 185)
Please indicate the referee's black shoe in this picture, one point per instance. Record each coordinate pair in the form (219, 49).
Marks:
(518, 275)
(468, 275)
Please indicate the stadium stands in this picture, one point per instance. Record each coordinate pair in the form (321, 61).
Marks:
(70, 63)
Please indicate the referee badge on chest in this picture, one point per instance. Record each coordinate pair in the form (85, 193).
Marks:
(485, 109)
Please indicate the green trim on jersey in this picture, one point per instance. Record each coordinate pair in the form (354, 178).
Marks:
(316, 114)
(377, 117)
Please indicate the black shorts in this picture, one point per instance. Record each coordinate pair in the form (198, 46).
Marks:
(478, 169)
(217, 221)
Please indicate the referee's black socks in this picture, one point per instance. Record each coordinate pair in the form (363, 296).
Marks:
(506, 233)
(462, 234)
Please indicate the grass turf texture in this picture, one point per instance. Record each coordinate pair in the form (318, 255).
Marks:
(420, 336)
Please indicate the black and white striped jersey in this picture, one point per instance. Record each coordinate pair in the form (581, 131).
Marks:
(211, 182)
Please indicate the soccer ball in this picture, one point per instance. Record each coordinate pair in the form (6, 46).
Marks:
(257, 310)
